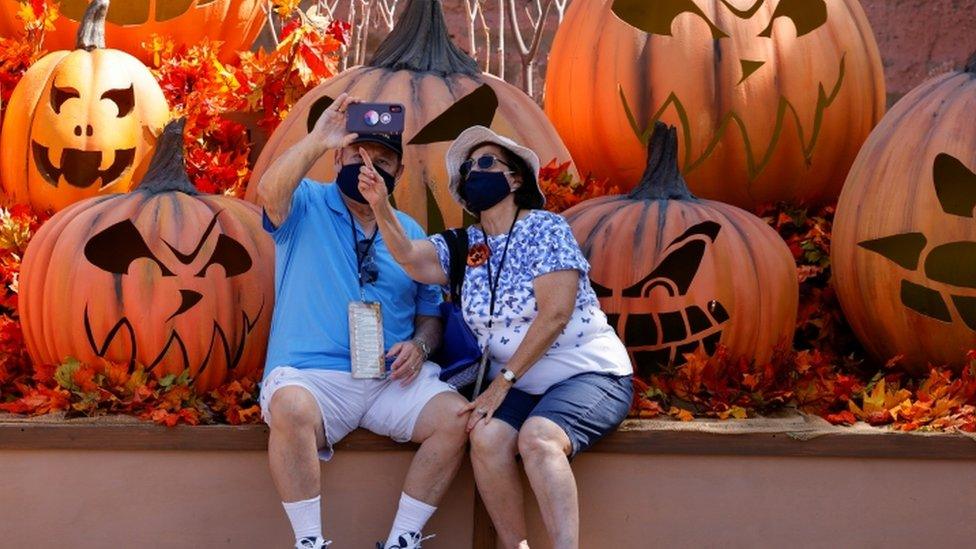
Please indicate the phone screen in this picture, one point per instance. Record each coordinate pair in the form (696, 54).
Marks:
(366, 118)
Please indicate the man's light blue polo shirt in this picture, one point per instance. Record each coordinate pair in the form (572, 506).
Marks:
(316, 278)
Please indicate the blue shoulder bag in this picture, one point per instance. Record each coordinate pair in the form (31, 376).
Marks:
(459, 355)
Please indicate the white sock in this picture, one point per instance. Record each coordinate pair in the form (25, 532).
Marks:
(411, 516)
(305, 517)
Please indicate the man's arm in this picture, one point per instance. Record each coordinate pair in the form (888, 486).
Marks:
(409, 356)
(429, 329)
(417, 257)
(278, 183)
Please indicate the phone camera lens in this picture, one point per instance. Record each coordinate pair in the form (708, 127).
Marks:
(385, 118)
(371, 118)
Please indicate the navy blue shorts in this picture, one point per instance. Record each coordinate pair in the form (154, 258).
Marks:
(587, 406)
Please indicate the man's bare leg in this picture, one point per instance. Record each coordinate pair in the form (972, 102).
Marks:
(442, 437)
(297, 432)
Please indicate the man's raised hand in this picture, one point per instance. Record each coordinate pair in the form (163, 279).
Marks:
(330, 128)
(371, 184)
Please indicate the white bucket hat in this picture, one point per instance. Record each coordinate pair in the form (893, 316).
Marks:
(478, 135)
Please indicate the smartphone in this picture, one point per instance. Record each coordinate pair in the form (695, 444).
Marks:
(363, 118)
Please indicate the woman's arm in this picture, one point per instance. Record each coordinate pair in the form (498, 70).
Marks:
(555, 295)
(276, 186)
(417, 257)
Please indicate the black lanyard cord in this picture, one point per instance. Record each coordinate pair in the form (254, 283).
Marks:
(493, 284)
(360, 258)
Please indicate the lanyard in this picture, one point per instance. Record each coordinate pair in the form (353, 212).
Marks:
(360, 257)
(493, 284)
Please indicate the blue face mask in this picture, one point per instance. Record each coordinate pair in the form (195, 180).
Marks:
(348, 181)
(483, 190)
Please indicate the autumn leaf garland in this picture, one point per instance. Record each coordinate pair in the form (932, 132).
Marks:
(205, 91)
(563, 191)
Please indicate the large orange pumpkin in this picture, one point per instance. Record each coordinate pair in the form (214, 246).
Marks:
(674, 272)
(162, 276)
(904, 242)
(444, 93)
(236, 23)
(772, 102)
(80, 123)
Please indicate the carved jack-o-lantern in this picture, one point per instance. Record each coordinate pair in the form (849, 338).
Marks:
(162, 276)
(80, 123)
(772, 98)
(235, 23)
(674, 272)
(443, 93)
(904, 245)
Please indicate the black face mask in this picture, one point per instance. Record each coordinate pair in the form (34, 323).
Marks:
(483, 190)
(348, 181)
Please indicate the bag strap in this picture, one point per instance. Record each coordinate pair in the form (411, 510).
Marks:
(457, 245)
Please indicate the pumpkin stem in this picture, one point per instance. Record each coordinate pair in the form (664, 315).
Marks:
(419, 42)
(167, 171)
(91, 33)
(971, 64)
(662, 180)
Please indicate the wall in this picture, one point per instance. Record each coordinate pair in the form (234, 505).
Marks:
(752, 502)
(93, 499)
(920, 39)
(170, 499)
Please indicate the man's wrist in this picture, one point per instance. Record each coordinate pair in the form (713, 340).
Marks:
(423, 346)
(384, 210)
(315, 146)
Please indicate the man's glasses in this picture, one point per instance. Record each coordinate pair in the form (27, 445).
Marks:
(484, 162)
(368, 271)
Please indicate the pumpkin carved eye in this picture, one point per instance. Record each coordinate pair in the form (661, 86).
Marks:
(475, 109)
(807, 16)
(955, 185)
(115, 248)
(60, 95)
(124, 99)
(230, 255)
(656, 16)
(676, 272)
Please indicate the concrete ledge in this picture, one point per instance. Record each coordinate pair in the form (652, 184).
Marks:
(118, 482)
(794, 435)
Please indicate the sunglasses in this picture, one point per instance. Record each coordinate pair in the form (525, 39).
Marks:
(484, 162)
(369, 272)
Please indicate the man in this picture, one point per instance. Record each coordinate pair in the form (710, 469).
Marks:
(328, 255)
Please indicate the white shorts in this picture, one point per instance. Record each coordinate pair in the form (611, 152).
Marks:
(381, 405)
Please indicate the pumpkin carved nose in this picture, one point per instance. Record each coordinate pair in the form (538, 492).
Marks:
(190, 298)
(749, 68)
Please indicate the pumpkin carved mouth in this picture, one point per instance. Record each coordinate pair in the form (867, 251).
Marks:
(219, 342)
(661, 338)
(81, 168)
(664, 338)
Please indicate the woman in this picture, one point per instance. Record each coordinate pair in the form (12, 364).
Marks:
(560, 377)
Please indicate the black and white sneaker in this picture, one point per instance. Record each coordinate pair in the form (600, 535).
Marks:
(312, 543)
(410, 540)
